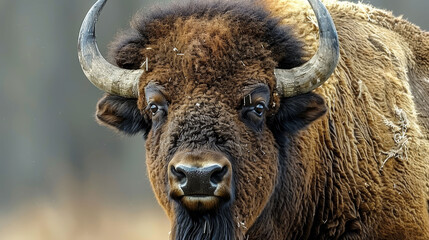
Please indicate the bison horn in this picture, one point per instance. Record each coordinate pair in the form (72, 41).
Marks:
(102, 74)
(312, 74)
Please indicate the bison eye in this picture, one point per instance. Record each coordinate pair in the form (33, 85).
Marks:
(153, 109)
(158, 112)
(253, 115)
(259, 109)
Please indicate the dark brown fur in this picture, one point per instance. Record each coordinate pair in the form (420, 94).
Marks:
(301, 173)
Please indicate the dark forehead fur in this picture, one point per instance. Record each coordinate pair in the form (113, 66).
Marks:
(124, 50)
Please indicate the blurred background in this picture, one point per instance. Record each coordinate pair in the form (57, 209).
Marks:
(61, 175)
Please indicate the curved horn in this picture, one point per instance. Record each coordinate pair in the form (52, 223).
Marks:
(312, 74)
(105, 76)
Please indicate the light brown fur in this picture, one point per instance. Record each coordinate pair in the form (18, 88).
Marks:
(378, 54)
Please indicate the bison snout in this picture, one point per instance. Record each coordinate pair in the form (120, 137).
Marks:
(200, 181)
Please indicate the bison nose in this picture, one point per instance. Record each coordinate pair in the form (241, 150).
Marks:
(199, 181)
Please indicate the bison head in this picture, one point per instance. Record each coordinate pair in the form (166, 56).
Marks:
(216, 89)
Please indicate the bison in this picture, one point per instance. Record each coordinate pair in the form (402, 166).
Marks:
(269, 119)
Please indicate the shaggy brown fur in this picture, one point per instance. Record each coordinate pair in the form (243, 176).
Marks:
(358, 172)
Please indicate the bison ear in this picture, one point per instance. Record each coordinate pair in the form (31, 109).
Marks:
(297, 112)
(121, 114)
(124, 51)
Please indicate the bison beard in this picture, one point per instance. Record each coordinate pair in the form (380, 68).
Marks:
(209, 226)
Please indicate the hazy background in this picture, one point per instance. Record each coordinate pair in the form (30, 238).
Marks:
(61, 175)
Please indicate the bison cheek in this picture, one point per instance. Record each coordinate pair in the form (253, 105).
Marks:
(255, 184)
(157, 170)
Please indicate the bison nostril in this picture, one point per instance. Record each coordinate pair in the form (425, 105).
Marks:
(218, 174)
(178, 173)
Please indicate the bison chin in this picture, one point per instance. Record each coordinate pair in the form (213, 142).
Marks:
(213, 225)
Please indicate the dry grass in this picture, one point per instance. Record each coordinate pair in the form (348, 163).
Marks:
(83, 220)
